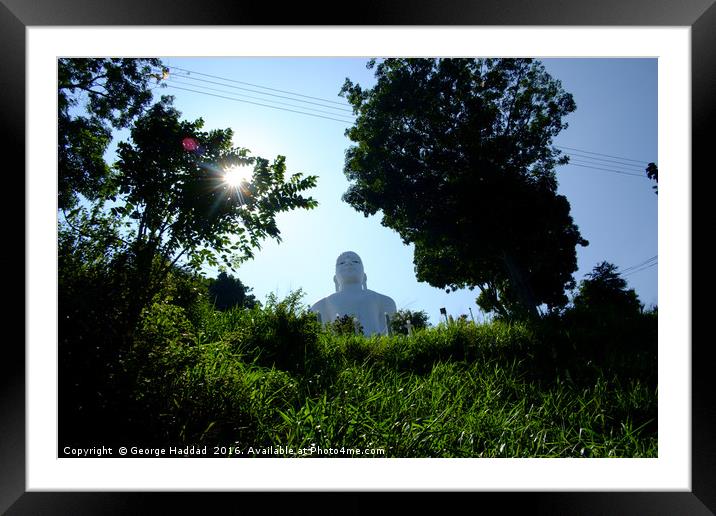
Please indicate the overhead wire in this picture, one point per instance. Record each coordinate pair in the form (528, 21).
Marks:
(645, 267)
(172, 80)
(256, 91)
(643, 176)
(259, 104)
(600, 154)
(255, 85)
(603, 161)
(593, 161)
(645, 262)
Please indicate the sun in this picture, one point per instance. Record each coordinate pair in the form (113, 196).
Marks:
(236, 175)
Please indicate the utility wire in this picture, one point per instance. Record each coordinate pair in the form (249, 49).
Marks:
(174, 80)
(259, 92)
(650, 261)
(608, 170)
(641, 269)
(603, 161)
(258, 104)
(645, 262)
(254, 85)
(203, 91)
(609, 167)
(600, 154)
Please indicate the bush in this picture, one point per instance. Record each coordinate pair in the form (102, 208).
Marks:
(283, 334)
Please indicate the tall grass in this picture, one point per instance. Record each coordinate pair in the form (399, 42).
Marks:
(273, 376)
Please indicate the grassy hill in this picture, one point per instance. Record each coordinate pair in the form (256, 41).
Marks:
(252, 382)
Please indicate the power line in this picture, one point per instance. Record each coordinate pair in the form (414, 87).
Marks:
(255, 85)
(600, 154)
(603, 161)
(609, 170)
(607, 167)
(172, 80)
(645, 262)
(641, 269)
(259, 92)
(584, 164)
(257, 104)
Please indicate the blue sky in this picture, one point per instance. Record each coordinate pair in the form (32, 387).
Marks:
(614, 128)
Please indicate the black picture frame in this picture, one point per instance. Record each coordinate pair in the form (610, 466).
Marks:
(699, 15)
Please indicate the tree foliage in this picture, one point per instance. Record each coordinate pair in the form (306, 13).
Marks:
(175, 201)
(457, 155)
(652, 172)
(345, 325)
(226, 292)
(399, 320)
(95, 96)
(605, 290)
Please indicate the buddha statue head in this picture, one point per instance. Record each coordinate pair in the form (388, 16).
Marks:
(349, 271)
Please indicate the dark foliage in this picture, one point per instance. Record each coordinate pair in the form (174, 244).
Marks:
(228, 292)
(652, 172)
(457, 155)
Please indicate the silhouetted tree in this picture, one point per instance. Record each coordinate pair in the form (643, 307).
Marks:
(605, 290)
(458, 156)
(227, 292)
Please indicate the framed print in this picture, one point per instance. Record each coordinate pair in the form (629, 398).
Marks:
(681, 38)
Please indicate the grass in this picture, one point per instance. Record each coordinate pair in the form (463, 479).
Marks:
(273, 377)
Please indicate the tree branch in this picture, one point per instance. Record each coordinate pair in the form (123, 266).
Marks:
(80, 232)
(85, 88)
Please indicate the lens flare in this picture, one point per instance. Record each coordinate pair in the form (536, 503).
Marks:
(190, 144)
(235, 176)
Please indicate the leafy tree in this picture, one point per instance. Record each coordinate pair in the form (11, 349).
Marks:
(345, 325)
(652, 172)
(173, 200)
(399, 320)
(458, 156)
(95, 96)
(607, 327)
(605, 290)
(226, 292)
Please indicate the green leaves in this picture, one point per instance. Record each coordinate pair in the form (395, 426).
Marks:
(457, 156)
(116, 92)
(173, 172)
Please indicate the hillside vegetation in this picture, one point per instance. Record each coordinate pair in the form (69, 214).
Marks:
(245, 380)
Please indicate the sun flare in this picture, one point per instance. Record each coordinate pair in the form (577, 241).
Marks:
(236, 175)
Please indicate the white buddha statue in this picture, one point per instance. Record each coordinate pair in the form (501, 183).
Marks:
(353, 298)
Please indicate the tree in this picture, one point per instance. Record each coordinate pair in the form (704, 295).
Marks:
(606, 324)
(458, 156)
(346, 325)
(226, 292)
(174, 200)
(652, 172)
(95, 96)
(399, 321)
(605, 290)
